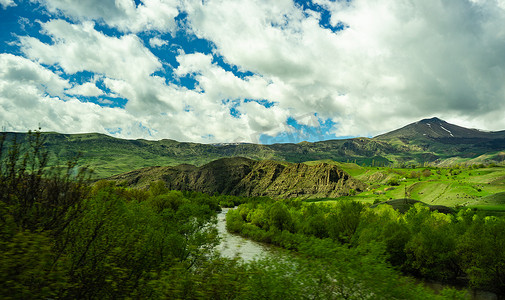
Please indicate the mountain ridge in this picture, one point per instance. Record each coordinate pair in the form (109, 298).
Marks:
(415, 143)
(241, 176)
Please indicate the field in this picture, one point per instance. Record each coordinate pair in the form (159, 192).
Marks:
(477, 187)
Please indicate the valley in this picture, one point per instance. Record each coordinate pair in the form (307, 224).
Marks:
(359, 215)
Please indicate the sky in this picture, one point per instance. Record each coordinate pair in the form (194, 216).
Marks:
(257, 71)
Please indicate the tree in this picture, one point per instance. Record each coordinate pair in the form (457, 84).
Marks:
(279, 216)
(343, 220)
(481, 252)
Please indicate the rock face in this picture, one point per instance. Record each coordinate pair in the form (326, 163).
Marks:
(244, 177)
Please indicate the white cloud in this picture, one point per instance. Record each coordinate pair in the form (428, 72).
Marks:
(28, 73)
(78, 47)
(398, 61)
(157, 15)
(87, 89)
(157, 42)
(126, 68)
(7, 3)
(264, 120)
(220, 84)
(31, 95)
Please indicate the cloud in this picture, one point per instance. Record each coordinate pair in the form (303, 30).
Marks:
(20, 70)
(218, 85)
(396, 62)
(31, 96)
(78, 47)
(123, 60)
(157, 42)
(152, 102)
(87, 89)
(7, 3)
(155, 15)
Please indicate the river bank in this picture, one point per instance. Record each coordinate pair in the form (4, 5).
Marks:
(232, 245)
(236, 246)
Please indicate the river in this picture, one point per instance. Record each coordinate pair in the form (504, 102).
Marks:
(232, 246)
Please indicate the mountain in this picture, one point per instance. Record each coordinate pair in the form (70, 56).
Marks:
(108, 155)
(438, 129)
(431, 141)
(447, 140)
(245, 177)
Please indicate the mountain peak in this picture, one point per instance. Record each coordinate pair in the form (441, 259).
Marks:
(433, 120)
(435, 128)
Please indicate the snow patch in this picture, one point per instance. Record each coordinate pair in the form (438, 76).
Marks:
(446, 130)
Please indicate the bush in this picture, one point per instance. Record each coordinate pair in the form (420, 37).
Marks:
(393, 182)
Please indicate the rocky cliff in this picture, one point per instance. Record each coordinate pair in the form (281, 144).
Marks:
(245, 177)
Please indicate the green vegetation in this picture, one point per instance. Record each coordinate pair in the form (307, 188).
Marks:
(61, 238)
(415, 144)
(241, 176)
(420, 242)
(474, 186)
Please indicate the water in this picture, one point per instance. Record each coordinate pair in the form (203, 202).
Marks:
(232, 245)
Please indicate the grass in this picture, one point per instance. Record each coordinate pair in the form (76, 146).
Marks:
(482, 188)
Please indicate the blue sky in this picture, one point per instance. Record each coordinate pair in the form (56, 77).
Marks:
(249, 70)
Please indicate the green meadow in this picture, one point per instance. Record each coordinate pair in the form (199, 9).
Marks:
(477, 186)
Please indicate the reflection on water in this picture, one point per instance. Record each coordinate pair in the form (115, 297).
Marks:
(236, 246)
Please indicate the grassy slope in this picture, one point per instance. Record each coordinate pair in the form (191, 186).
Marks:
(477, 188)
(109, 156)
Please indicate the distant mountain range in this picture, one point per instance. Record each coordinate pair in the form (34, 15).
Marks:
(431, 141)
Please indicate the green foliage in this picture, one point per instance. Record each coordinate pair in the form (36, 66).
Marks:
(431, 249)
(420, 242)
(27, 266)
(481, 250)
(393, 182)
(60, 238)
(279, 217)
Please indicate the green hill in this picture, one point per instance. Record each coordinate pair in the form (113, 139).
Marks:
(245, 177)
(431, 141)
(109, 156)
(474, 186)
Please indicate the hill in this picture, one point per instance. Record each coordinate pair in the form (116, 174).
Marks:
(245, 177)
(446, 140)
(430, 141)
(436, 128)
(108, 155)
